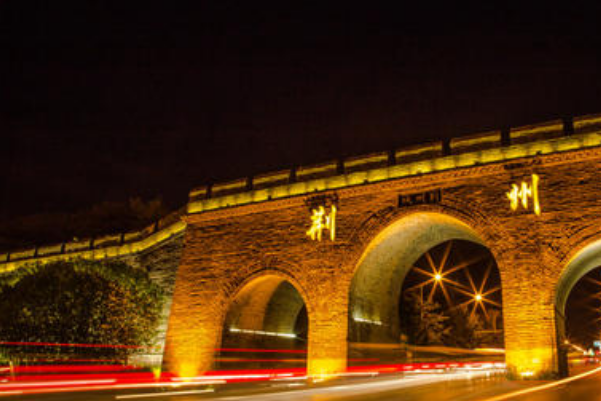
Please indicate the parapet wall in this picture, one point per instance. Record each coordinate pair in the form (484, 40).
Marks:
(462, 152)
(107, 246)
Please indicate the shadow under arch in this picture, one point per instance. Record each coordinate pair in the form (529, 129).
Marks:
(266, 324)
(586, 259)
(377, 282)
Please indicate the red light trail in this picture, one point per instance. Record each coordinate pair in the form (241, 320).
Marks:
(53, 378)
(118, 378)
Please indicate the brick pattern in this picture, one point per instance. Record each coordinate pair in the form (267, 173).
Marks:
(226, 247)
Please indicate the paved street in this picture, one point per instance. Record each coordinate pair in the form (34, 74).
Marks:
(459, 386)
(588, 388)
(475, 386)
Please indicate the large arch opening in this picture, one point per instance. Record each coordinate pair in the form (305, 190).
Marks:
(425, 269)
(266, 326)
(578, 309)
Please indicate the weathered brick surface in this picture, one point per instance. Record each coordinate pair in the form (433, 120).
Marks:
(161, 263)
(226, 248)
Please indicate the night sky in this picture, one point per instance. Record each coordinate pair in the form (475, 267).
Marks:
(103, 101)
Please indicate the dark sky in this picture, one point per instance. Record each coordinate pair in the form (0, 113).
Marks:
(106, 100)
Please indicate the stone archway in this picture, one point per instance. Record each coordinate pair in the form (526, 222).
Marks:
(196, 330)
(375, 291)
(378, 278)
(266, 325)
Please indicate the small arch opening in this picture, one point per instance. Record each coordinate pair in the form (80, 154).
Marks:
(265, 327)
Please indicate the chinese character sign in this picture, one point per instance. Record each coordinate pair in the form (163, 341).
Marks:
(320, 221)
(521, 194)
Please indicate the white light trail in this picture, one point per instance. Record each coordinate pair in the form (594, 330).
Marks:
(360, 388)
(163, 394)
(544, 386)
(262, 333)
(362, 320)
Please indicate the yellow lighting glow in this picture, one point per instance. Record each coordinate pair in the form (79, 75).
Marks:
(521, 194)
(323, 369)
(321, 221)
(369, 321)
(439, 277)
(262, 333)
(478, 294)
(530, 363)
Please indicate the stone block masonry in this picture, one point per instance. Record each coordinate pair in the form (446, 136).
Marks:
(235, 239)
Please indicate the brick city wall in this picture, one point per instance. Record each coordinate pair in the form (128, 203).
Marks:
(386, 218)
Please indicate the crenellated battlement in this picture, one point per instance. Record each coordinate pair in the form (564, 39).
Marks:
(461, 152)
(107, 246)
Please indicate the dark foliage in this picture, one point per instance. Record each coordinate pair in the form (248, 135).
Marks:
(78, 302)
(464, 327)
(427, 323)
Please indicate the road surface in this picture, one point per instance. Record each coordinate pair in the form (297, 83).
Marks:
(476, 386)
